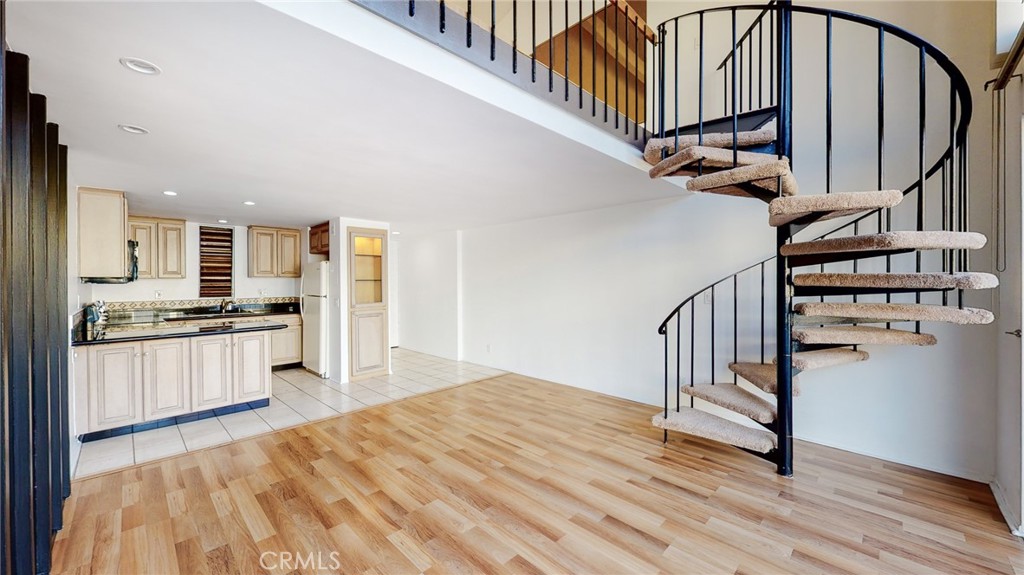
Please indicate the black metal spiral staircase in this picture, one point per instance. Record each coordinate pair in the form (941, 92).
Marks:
(810, 316)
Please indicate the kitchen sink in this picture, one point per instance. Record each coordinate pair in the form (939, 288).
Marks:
(213, 315)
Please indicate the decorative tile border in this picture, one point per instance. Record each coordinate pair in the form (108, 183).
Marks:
(180, 303)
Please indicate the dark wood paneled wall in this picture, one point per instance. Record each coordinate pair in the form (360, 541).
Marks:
(34, 423)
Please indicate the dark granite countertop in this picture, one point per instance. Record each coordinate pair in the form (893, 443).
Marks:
(142, 332)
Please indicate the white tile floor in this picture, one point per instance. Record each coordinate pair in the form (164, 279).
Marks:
(298, 397)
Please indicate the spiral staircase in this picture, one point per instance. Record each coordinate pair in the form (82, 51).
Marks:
(821, 316)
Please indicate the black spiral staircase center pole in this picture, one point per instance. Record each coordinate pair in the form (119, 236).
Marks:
(784, 422)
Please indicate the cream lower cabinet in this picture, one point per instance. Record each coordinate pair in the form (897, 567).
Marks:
(369, 343)
(252, 366)
(115, 385)
(166, 378)
(212, 382)
(129, 383)
(286, 344)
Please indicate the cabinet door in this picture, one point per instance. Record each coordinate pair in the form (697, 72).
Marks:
(171, 250)
(115, 385)
(102, 233)
(167, 378)
(262, 252)
(289, 253)
(286, 346)
(252, 366)
(144, 232)
(369, 345)
(211, 372)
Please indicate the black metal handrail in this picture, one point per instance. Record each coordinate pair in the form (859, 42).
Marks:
(951, 163)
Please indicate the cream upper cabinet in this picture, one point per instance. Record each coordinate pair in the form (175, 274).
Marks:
(289, 253)
(161, 247)
(115, 385)
(275, 252)
(262, 252)
(170, 249)
(167, 378)
(102, 233)
(211, 372)
(251, 366)
(144, 233)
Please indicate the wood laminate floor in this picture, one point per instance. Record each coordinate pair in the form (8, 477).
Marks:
(516, 475)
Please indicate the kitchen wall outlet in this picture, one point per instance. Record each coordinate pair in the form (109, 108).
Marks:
(263, 293)
(707, 298)
(488, 348)
(158, 294)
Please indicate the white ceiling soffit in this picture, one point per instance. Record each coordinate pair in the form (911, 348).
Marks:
(254, 105)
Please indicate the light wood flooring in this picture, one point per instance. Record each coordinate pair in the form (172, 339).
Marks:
(517, 475)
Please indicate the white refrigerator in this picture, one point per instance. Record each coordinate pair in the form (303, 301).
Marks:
(315, 320)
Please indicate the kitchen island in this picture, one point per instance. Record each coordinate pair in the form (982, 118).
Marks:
(132, 377)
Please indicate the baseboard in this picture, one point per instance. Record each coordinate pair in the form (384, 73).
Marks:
(1012, 520)
(961, 473)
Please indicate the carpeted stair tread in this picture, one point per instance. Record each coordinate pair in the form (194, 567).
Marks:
(964, 280)
(860, 335)
(927, 240)
(784, 210)
(764, 176)
(734, 398)
(655, 146)
(822, 358)
(703, 424)
(713, 158)
(890, 312)
(762, 376)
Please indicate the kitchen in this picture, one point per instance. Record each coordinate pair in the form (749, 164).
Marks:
(184, 324)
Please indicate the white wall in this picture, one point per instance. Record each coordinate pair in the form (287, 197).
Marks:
(339, 363)
(188, 288)
(429, 290)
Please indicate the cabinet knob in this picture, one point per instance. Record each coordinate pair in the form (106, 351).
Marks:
(138, 354)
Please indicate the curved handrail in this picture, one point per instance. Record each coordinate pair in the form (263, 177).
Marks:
(957, 80)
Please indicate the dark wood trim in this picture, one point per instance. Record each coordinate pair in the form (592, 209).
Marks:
(64, 329)
(19, 301)
(56, 306)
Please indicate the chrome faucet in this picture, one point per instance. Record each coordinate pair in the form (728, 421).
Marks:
(228, 305)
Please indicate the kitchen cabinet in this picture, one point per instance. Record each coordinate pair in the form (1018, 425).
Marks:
(286, 344)
(251, 355)
(166, 378)
(115, 385)
(161, 245)
(368, 334)
(320, 239)
(275, 252)
(121, 384)
(102, 233)
(212, 383)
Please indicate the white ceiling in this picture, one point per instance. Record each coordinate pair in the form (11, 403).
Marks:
(254, 105)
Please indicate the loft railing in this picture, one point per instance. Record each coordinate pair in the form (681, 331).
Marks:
(908, 75)
(590, 57)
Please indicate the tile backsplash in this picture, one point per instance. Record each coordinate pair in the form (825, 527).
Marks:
(184, 303)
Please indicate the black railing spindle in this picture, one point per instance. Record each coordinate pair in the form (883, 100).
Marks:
(412, 8)
(533, 41)
(617, 60)
(579, 49)
(593, 58)
(828, 105)
(700, 89)
(440, 19)
(469, 23)
(636, 80)
(735, 117)
(713, 334)
(493, 25)
(735, 323)
(604, 16)
(515, 36)
(565, 43)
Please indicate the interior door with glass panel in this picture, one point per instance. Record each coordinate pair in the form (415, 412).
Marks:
(368, 323)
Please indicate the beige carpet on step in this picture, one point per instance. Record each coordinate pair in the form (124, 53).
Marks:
(782, 211)
(890, 312)
(927, 240)
(762, 375)
(734, 398)
(702, 424)
(713, 158)
(860, 335)
(963, 280)
(822, 358)
(765, 176)
(655, 146)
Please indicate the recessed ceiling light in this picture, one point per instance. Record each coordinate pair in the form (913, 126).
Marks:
(137, 130)
(170, 193)
(222, 221)
(396, 233)
(141, 66)
(249, 203)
